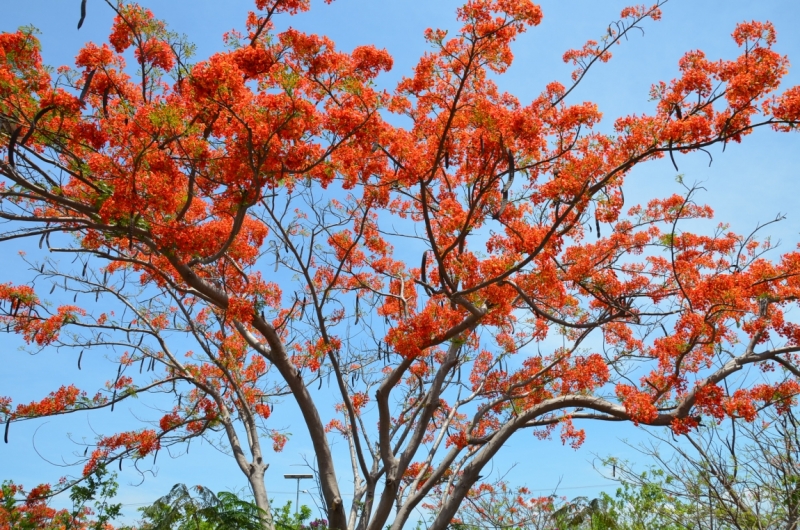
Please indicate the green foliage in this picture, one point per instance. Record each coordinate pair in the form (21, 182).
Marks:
(583, 513)
(740, 474)
(179, 510)
(285, 518)
(99, 488)
(198, 508)
(647, 505)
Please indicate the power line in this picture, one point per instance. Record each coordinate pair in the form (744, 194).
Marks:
(575, 487)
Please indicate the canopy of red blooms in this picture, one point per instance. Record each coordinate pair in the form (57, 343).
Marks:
(261, 205)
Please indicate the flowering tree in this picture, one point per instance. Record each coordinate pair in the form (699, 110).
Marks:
(28, 510)
(188, 192)
(498, 505)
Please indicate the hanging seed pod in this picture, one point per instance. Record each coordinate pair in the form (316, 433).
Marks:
(83, 15)
(131, 223)
(447, 160)
(84, 269)
(597, 225)
(511, 167)
(180, 397)
(86, 85)
(120, 464)
(141, 364)
(52, 288)
(357, 309)
(75, 298)
(86, 450)
(5, 436)
(208, 129)
(105, 277)
(12, 141)
(507, 185)
(277, 258)
(106, 92)
(114, 395)
(32, 128)
(80, 356)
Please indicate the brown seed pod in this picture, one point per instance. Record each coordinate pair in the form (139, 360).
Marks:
(85, 90)
(12, 141)
(83, 13)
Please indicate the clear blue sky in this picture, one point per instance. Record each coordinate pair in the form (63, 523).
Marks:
(746, 184)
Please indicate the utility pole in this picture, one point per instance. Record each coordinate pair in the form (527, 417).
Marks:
(299, 477)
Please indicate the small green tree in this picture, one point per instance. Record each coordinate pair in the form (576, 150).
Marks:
(648, 504)
(286, 519)
(99, 488)
(180, 510)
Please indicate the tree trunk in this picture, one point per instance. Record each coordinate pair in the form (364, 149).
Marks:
(262, 501)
